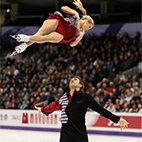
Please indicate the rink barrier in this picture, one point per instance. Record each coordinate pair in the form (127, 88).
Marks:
(96, 124)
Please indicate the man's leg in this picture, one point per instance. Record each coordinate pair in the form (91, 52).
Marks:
(64, 137)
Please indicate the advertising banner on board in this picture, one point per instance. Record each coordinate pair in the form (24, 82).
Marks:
(26, 119)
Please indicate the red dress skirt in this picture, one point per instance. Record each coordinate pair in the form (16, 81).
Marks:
(64, 28)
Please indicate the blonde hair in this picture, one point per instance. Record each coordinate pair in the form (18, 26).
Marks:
(79, 5)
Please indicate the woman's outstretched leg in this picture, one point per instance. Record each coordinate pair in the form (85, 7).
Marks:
(47, 27)
(44, 34)
(53, 37)
(22, 47)
(29, 43)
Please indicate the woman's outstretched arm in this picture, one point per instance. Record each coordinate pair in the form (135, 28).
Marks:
(78, 39)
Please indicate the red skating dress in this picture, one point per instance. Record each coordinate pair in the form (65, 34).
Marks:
(66, 27)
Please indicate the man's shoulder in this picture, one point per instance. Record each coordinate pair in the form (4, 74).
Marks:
(83, 93)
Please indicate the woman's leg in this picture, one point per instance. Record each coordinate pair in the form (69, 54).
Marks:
(47, 27)
(44, 34)
(22, 47)
(29, 43)
(52, 37)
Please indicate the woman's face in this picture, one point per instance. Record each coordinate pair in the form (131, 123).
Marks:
(87, 26)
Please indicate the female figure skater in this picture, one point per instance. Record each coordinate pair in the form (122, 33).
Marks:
(73, 106)
(57, 29)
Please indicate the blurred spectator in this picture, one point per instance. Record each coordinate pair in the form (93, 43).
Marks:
(138, 36)
(3, 103)
(108, 103)
(50, 98)
(121, 76)
(126, 64)
(7, 106)
(118, 108)
(125, 107)
(117, 103)
(25, 103)
(111, 87)
(43, 75)
(118, 41)
(24, 92)
(1, 84)
(97, 61)
(139, 108)
(37, 102)
(140, 73)
(105, 72)
(31, 103)
(94, 78)
(136, 96)
(60, 93)
(128, 97)
(111, 108)
(112, 74)
(101, 101)
(133, 109)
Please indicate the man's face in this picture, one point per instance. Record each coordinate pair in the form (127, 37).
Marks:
(74, 83)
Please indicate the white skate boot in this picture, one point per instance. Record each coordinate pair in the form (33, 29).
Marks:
(19, 49)
(21, 37)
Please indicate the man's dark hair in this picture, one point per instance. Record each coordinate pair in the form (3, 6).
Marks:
(80, 81)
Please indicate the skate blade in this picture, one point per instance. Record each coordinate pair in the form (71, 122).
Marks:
(13, 54)
(13, 36)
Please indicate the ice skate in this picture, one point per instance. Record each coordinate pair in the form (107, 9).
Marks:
(21, 37)
(19, 49)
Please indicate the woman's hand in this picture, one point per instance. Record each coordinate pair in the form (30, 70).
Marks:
(123, 123)
(82, 31)
(70, 11)
(77, 18)
(77, 40)
(39, 111)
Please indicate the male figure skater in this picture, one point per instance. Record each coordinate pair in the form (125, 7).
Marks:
(73, 106)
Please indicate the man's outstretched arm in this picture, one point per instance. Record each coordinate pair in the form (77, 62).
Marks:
(98, 108)
(49, 109)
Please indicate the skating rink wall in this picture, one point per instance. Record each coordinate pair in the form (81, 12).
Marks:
(96, 124)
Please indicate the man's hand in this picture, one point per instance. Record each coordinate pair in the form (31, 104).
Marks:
(123, 123)
(39, 111)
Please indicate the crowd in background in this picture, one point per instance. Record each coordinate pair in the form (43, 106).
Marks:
(42, 73)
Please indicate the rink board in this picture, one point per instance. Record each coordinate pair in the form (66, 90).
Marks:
(96, 124)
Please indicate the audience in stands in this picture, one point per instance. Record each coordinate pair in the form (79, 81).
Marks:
(42, 73)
